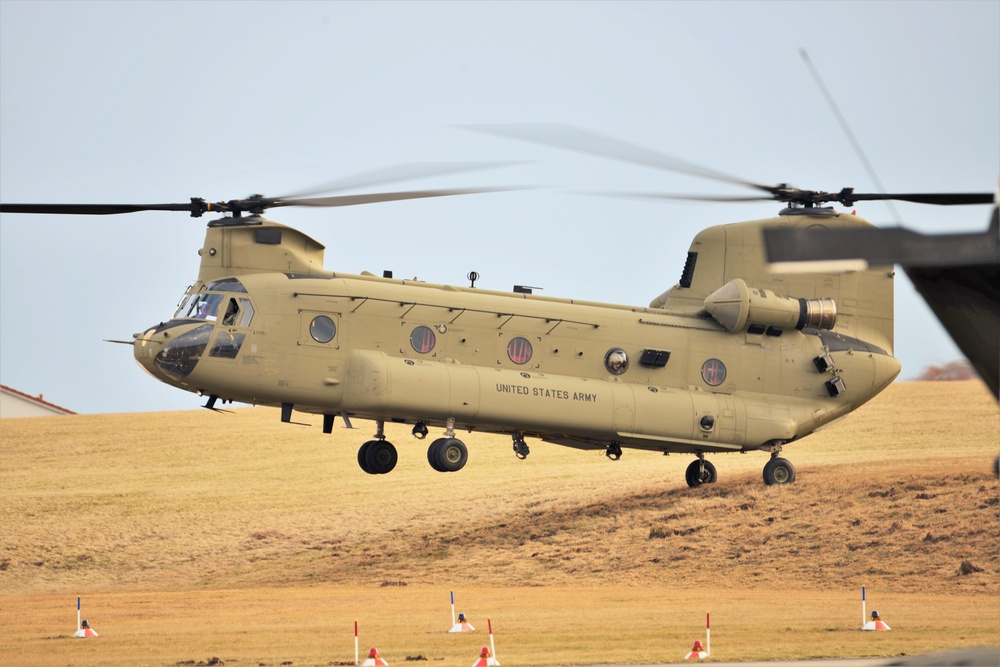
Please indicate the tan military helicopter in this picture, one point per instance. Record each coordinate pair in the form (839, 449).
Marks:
(733, 358)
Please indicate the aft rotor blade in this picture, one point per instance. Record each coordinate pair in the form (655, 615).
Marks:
(585, 141)
(401, 172)
(376, 197)
(722, 198)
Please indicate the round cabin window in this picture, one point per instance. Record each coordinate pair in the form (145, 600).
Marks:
(713, 372)
(322, 329)
(422, 339)
(616, 361)
(519, 350)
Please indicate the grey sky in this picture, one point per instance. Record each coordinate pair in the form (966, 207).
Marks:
(150, 102)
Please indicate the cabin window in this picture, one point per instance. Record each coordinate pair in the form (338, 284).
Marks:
(713, 372)
(519, 350)
(322, 329)
(422, 339)
(616, 361)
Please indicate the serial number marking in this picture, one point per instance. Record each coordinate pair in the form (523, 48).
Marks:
(539, 392)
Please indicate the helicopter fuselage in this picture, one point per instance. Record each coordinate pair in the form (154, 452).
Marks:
(582, 374)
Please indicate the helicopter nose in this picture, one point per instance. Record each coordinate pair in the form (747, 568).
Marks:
(886, 369)
(171, 350)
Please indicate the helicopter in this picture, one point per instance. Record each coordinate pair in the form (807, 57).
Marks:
(733, 358)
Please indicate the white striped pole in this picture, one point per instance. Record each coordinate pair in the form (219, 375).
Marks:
(355, 641)
(864, 616)
(452, 608)
(708, 633)
(78, 614)
(493, 648)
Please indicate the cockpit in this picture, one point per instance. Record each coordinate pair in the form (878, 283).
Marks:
(223, 311)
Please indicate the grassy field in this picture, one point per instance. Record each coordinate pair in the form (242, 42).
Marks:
(194, 534)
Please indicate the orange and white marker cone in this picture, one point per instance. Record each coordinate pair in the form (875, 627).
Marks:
(85, 630)
(374, 660)
(697, 652)
(876, 623)
(462, 625)
(486, 659)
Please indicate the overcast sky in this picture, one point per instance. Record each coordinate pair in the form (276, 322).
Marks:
(150, 102)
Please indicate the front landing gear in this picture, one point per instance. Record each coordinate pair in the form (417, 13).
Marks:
(778, 471)
(448, 454)
(700, 472)
(378, 456)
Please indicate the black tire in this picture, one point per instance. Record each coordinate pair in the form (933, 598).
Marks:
(363, 456)
(700, 472)
(432, 453)
(779, 471)
(452, 455)
(381, 457)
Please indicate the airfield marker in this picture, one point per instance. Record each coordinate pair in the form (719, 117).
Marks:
(356, 641)
(493, 648)
(452, 608)
(78, 614)
(708, 633)
(864, 616)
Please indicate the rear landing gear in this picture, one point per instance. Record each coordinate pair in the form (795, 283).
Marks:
(779, 471)
(700, 472)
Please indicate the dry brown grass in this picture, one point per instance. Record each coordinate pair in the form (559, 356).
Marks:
(192, 534)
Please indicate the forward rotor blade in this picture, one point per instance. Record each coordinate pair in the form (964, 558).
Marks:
(97, 209)
(376, 197)
(400, 172)
(584, 141)
(938, 198)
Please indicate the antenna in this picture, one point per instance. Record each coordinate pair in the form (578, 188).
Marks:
(850, 135)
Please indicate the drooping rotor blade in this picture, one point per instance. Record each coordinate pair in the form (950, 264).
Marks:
(376, 197)
(584, 141)
(402, 172)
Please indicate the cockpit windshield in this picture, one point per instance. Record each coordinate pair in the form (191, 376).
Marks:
(199, 307)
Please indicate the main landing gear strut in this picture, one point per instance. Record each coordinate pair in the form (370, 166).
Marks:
(448, 454)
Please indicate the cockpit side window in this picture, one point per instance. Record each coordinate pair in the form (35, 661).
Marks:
(247, 309)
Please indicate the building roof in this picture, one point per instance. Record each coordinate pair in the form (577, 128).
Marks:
(37, 401)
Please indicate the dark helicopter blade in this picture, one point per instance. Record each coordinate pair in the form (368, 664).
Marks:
(402, 172)
(97, 209)
(938, 198)
(375, 197)
(585, 141)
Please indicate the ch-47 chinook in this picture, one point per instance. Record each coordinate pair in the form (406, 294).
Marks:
(733, 358)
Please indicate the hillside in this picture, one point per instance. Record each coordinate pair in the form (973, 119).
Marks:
(897, 496)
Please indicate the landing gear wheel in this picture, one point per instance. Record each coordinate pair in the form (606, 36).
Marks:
(363, 456)
(779, 471)
(380, 457)
(447, 454)
(700, 472)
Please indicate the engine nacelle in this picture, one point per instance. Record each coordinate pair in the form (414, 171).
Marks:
(737, 306)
